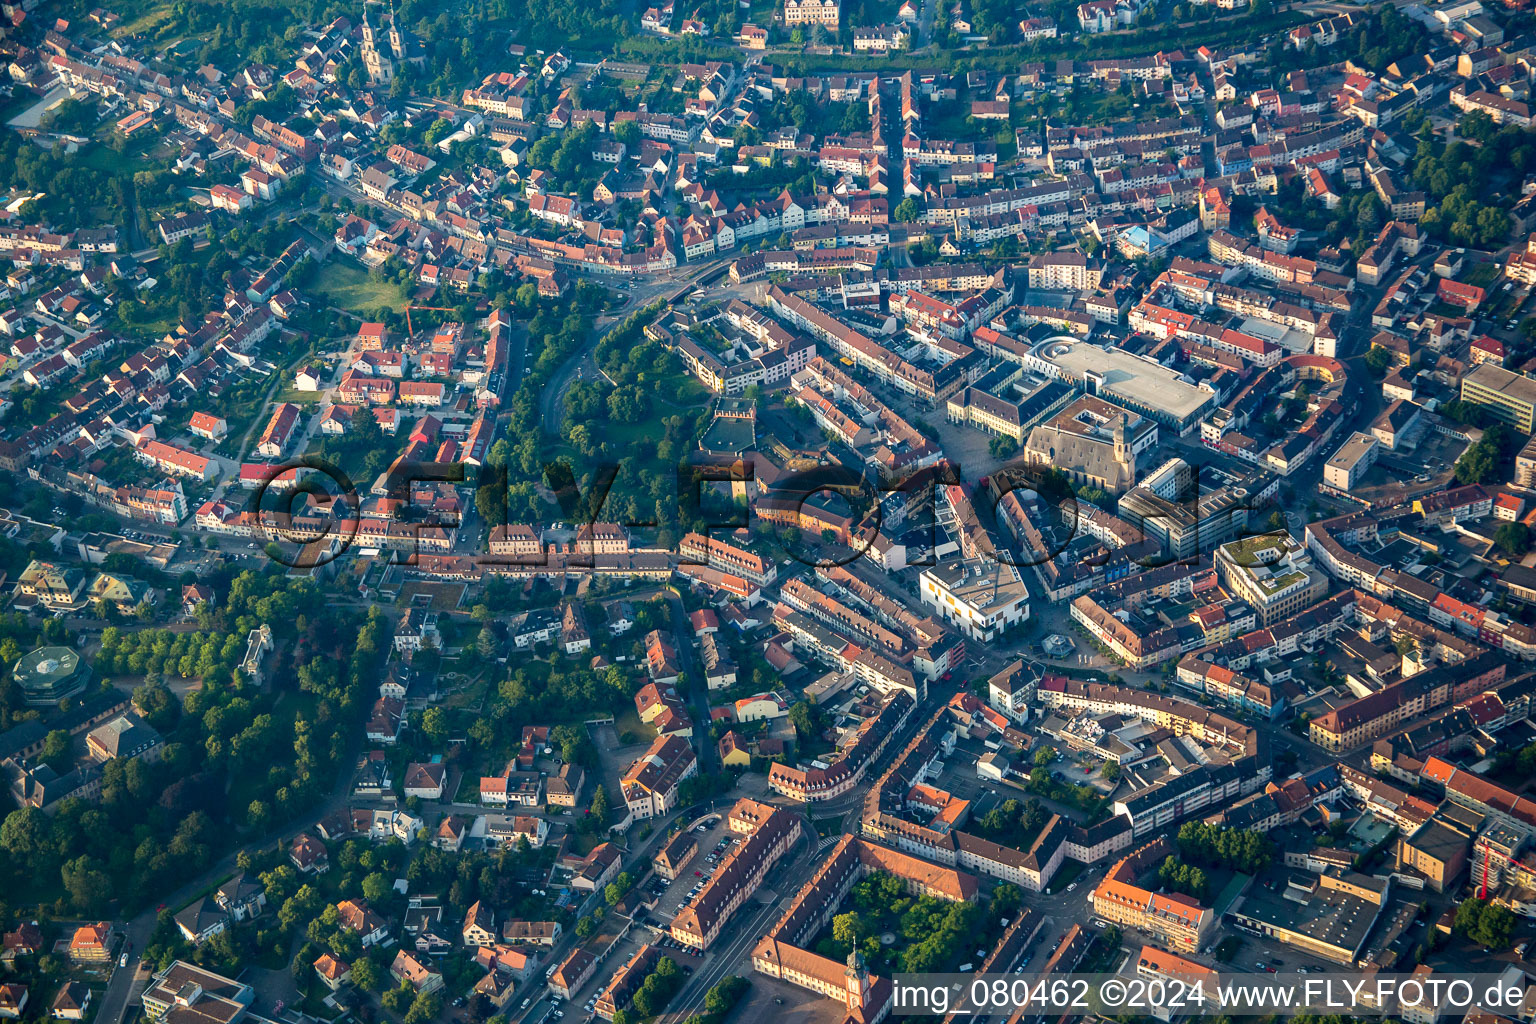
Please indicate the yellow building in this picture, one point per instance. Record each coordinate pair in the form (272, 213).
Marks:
(734, 752)
(1508, 396)
(812, 12)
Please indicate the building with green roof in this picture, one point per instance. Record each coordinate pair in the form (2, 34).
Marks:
(50, 674)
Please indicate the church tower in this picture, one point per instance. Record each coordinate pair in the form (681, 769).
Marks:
(856, 981)
(1123, 440)
(396, 41)
(380, 69)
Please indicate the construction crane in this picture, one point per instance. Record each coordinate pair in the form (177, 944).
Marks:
(1488, 854)
(436, 309)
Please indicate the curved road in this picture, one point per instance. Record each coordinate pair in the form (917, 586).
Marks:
(643, 291)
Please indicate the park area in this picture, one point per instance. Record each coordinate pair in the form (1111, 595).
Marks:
(350, 287)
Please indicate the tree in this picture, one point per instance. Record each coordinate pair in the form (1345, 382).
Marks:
(434, 725)
(425, 1007)
(398, 1000)
(491, 501)
(376, 887)
(719, 1000)
(1495, 927)
(906, 211)
(1111, 770)
(1468, 915)
(56, 748)
(600, 805)
(1514, 539)
(1378, 360)
(1480, 461)
(1044, 756)
(848, 929)
(89, 887)
(1486, 923)
(256, 813)
(804, 718)
(366, 975)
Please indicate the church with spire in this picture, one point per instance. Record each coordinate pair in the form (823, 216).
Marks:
(1094, 442)
(382, 62)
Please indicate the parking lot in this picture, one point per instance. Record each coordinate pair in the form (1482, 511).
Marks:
(713, 843)
(1253, 955)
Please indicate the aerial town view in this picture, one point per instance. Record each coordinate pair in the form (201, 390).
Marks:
(784, 511)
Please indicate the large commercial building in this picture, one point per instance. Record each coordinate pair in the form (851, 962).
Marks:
(50, 674)
(983, 597)
(1329, 915)
(1144, 385)
(812, 12)
(1351, 462)
(1439, 848)
(1064, 271)
(1169, 508)
(184, 993)
(1508, 396)
(830, 777)
(783, 952)
(1273, 573)
(1094, 442)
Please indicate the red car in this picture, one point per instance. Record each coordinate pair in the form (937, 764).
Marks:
(698, 874)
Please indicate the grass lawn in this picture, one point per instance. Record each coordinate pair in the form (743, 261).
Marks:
(297, 397)
(628, 721)
(239, 414)
(144, 23)
(469, 695)
(1482, 275)
(626, 435)
(623, 438)
(208, 890)
(350, 287)
(952, 121)
(101, 157)
(148, 321)
(1091, 107)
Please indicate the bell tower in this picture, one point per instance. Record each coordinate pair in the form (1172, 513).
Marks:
(379, 68)
(856, 981)
(1123, 440)
(396, 41)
